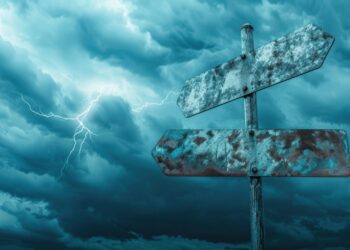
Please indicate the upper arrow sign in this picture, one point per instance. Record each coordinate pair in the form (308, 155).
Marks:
(299, 52)
(276, 153)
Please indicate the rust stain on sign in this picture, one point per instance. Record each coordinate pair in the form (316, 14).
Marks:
(276, 153)
(294, 54)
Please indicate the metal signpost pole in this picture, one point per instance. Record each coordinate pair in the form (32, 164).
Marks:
(252, 152)
(251, 123)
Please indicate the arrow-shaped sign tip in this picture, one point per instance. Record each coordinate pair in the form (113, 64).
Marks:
(287, 57)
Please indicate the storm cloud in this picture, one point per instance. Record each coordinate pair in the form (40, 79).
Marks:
(101, 189)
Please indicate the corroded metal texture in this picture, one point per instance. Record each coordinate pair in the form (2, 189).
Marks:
(277, 153)
(202, 152)
(294, 54)
(251, 122)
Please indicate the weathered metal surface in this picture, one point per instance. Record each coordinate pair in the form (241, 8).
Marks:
(202, 152)
(257, 231)
(294, 54)
(278, 153)
(251, 122)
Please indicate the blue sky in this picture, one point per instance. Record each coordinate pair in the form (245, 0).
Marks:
(79, 86)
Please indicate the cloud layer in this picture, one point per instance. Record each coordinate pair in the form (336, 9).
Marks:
(60, 56)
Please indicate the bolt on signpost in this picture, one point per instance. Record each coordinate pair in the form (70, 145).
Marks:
(252, 152)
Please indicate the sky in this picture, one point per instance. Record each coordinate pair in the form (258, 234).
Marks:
(87, 88)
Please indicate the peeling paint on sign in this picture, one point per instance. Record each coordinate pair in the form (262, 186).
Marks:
(276, 153)
(296, 53)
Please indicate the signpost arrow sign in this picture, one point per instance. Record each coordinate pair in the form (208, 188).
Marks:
(277, 152)
(252, 152)
(291, 55)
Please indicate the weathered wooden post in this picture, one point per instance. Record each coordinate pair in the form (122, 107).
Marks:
(251, 123)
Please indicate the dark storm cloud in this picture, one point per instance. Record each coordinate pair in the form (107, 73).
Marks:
(194, 34)
(272, 117)
(140, 195)
(114, 114)
(118, 45)
(332, 16)
(28, 219)
(312, 212)
(18, 76)
(112, 195)
(334, 112)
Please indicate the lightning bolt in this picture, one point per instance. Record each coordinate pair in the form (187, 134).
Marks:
(81, 128)
(160, 103)
(83, 132)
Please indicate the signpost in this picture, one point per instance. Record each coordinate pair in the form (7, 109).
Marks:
(299, 52)
(252, 152)
(226, 152)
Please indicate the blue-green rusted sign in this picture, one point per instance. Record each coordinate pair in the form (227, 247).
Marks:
(294, 54)
(274, 153)
(252, 152)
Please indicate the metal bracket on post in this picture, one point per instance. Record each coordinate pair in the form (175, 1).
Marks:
(251, 123)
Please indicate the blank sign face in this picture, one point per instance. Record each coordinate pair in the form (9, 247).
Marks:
(291, 55)
(241, 152)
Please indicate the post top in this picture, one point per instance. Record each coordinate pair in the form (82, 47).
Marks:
(247, 26)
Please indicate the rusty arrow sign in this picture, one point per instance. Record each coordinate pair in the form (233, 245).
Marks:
(275, 153)
(252, 152)
(294, 54)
